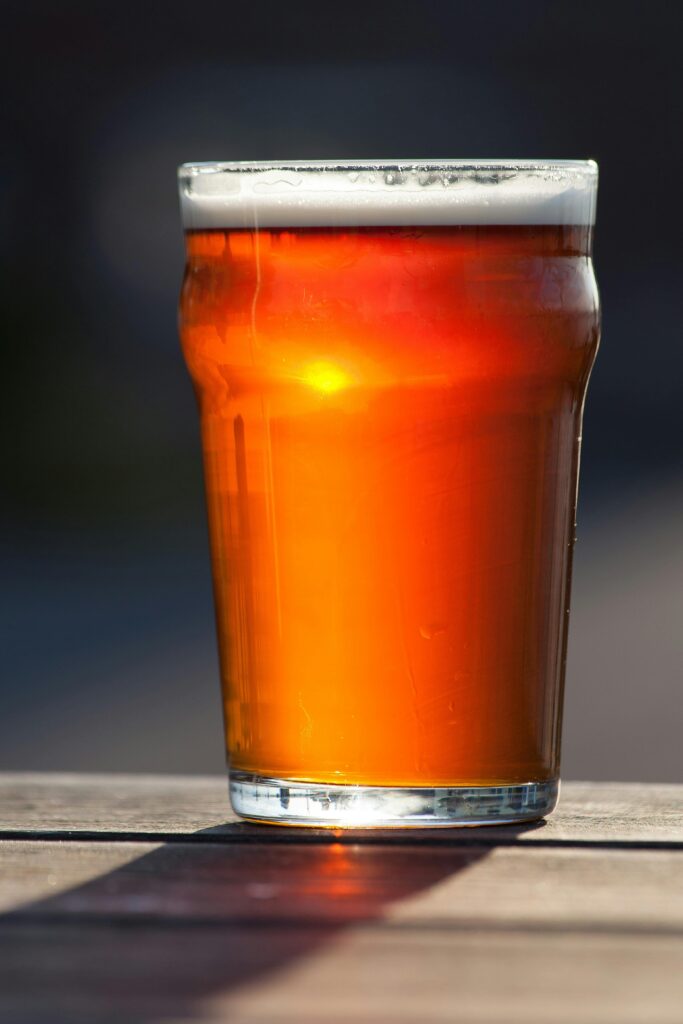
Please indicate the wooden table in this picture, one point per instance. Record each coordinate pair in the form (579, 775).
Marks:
(140, 898)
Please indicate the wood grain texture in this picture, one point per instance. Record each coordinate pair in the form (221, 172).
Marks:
(184, 806)
(372, 974)
(126, 899)
(368, 974)
(509, 887)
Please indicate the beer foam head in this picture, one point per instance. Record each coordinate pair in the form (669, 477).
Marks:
(389, 193)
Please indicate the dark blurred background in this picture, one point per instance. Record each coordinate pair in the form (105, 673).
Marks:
(108, 655)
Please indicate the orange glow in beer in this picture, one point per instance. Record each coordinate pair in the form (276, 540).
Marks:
(391, 421)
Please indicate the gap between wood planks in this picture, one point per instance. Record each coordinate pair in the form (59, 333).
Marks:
(298, 837)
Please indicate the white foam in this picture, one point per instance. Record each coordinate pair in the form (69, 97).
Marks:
(400, 193)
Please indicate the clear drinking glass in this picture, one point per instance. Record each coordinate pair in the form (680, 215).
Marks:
(390, 360)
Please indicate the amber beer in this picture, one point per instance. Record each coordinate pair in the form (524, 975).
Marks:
(390, 363)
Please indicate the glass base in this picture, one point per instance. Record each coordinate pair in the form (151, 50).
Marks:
(283, 802)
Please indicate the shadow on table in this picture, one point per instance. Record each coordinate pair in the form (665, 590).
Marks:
(164, 933)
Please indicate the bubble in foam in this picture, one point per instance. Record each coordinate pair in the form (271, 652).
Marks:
(397, 193)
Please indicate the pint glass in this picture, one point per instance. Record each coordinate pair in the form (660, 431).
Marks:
(390, 361)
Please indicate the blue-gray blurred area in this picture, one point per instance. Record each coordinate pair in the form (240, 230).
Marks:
(108, 655)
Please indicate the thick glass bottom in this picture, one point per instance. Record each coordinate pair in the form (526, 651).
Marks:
(283, 802)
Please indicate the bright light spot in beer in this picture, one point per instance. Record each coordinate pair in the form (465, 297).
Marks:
(326, 377)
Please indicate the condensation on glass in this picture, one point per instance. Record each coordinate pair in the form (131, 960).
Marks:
(390, 361)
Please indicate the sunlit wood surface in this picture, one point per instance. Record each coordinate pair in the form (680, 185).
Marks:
(141, 898)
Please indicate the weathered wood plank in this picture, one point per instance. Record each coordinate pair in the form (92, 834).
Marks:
(502, 888)
(478, 977)
(578, 921)
(370, 974)
(186, 805)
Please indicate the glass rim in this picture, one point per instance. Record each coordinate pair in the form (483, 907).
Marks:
(587, 167)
